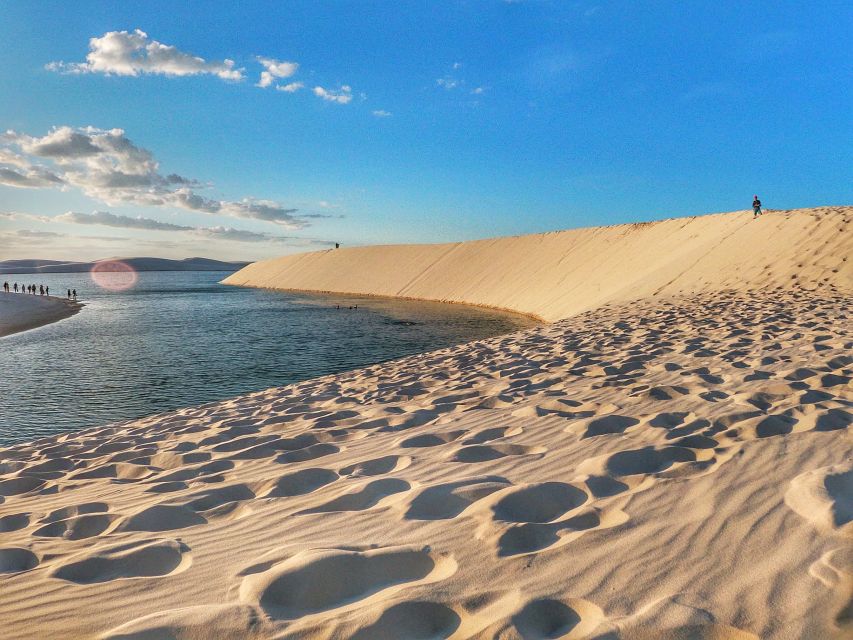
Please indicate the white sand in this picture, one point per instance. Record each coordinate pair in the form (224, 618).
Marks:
(22, 311)
(560, 274)
(678, 467)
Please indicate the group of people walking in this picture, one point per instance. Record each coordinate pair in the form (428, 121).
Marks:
(42, 290)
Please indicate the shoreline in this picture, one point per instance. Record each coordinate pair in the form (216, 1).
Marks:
(22, 311)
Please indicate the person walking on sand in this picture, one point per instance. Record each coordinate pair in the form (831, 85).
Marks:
(74, 294)
(756, 207)
(16, 287)
(46, 290)
(6, 287)
(69, 294)
(41, 289)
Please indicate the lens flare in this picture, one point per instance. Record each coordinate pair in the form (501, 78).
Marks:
(113, 275)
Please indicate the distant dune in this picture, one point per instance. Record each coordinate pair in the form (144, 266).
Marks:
(560, 274)
(140, 264)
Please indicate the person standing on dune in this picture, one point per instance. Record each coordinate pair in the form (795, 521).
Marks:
(756, 207)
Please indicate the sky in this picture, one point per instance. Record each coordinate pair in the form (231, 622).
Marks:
(241, 131)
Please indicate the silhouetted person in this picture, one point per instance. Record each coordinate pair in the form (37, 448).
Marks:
(74, 294)
(756, 207)
(69, 294)
(16, 287)
(6, 287)
(41, 289)
(46, 290)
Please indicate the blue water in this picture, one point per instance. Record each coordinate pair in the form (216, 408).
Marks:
(180, 339)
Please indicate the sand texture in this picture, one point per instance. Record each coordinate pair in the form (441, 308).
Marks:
(560, 274)
(676, 468)
(673, 464)
(22, 311)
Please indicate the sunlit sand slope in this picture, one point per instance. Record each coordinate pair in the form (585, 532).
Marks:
(557, 275)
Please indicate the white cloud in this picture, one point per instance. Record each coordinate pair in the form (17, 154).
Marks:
(478, 91)
(107, 219)
(381, 113)
(291, 87)
(341, 96)
(275, 69)
(26, 233)
(31, 178)
(448, 82)
(107, 166)
(124, 53)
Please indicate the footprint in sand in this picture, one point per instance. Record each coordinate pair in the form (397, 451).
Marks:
(16, 560)
(376, 466)
(448, 500)
(308, 453)
(197, 472)
(431, 439)
(647, 460)
(824, 497)
(534, 517)
(229, 621)
(542, 502)
(546, 618)
(608, 425)
(117, 471)
(299, 483)
(417, 619)
(493, 433)
(51, 469)
(146, 559)
(20, 486)
(339, 578)
(215, 502)
(78, 527)
(360, 499)
(485, 453)
(162, 517)
(63, 513)
(14, 522)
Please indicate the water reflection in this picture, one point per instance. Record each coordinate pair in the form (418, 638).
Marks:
(179, 339)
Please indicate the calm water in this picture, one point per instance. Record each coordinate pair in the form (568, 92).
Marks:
(179, 339)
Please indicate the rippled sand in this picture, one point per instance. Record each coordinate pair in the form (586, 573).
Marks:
(676, 468)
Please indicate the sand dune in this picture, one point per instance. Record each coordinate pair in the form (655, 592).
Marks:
(19, 311)
(560, 274)
(674, 468)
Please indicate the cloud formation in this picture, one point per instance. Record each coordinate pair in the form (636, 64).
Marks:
(381, 113)
(291, 87)
(107, 219)
(134, 53)
(108, 166)
(275, 69)
(125, 53)
(340, 96)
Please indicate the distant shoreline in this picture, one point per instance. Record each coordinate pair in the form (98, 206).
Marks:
(21, 312)
(43, 273)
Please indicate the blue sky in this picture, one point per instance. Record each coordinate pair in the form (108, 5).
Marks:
(407, 121)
